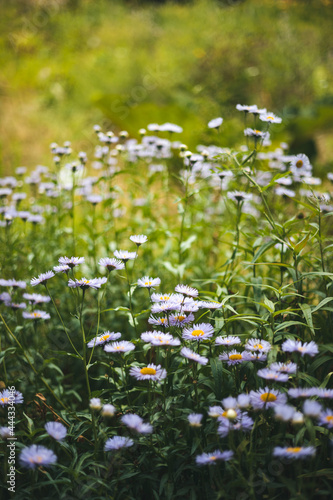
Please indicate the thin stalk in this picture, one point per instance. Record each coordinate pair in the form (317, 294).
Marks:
(30, 364)
(130, 298)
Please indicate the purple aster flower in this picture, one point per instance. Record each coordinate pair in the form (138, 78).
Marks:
(233, 357)
(284, 367)
(102, 339)
(71, 262)
(108, 410)
(56, 430)
(266, 398)
(36, 315)
(122, 346)
(312, 408)
(124, 255)
(136, 423)
(111, 264)
(268, 374)
(95, 404)
(85, 284)
(284, 412)
(149, 372)
(61, 269)
(227, 340)
(258, 345)
(147, 282)
(152, 320)
(194, 419)
(270, 118)
(187, 290)
(241, 422)
(211, 458)
(200, 331)
(309, 348)
(36, 298)
(180, 319)
(5, 432)
(42, 278)
(321, 392)
(300, 392)
(13, 283)
(193, 356)
(205, 304)
(35, 456)
(326, 419)
(297, 452)
(138, 239)
(118, 442)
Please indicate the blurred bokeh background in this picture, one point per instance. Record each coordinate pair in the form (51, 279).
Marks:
(68, 64)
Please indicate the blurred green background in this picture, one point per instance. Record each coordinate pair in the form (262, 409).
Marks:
(66, 65)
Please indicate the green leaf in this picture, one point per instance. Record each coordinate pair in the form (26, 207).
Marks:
(308, 316)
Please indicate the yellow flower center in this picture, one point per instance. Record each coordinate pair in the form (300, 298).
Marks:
(180, 318)
(39, 459)
(36, 315)
(148, 283)
(165, 297)
(257, 346)
(294, 450)
(270, 117)
(4, 400)
(162, 320)
(329, 418)
(299, 164)
(213, 457)
(198, 333)
(148, 371)
(119, 347)
(224, 414)
(234, 357)
(105, 337)
(268, 397)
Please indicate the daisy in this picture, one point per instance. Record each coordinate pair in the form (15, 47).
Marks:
(322, 393)
(270, 118)
(294, 452)
(111, 264)
(239, 196)
(244, 107)
(239, 422)
(211, 458)
(194, 419)
(84, 284)
(160, 307)
(171, 127)
(309, 348)
(138, 239)
(152, 320)
(13, 283)
(268, 374)
(56, 430)
(300, 163)
(106, 337)
(326, 419)
(216, 411)
(281, 191)
(159, 338)
(117, 442)
(94, 199)
(284, 367)
(5, 432)
(61, 269)
(95, 404)
(251, 132)
(258, 345)
(243, 400)
(187, 290)
(180, 319)
(253, 356)
(34, 456)
(124, 255)
(284, 412)
(205, 304)
(158, 297)
(71, 262)
(136, 423)
(108, 410)
(215, 123)
(150, 372)
(300, 392)
(147, 282)
(36, 315)
(234, 357)
(227, 340)
(42, 278)
(312, 408)
(200, 331)
(187, 353)
(266, 398)
(123, 346)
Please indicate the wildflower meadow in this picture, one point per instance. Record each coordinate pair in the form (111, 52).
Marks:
(166, 318)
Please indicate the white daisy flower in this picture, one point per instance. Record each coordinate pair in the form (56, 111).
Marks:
(200, 331)
(147, 282)
(215, 123)
(258, 345)
(211, 458)
(118, 442)
(152, 320)
(266, 398)
(85, 284)
(268, 374)
(180, 319)
(71, 262)
(309, 348)
(108, 410)
(234, 357)
(189, 354)
(95, 404)
(187, 290)
(297, 452)
(270, 118)
(36, 315)
(139, 239)
(149, 372)
(122, 346)
(227, 340)
(124, 255)
(111, 264)
(102, 339)
(42, 278)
